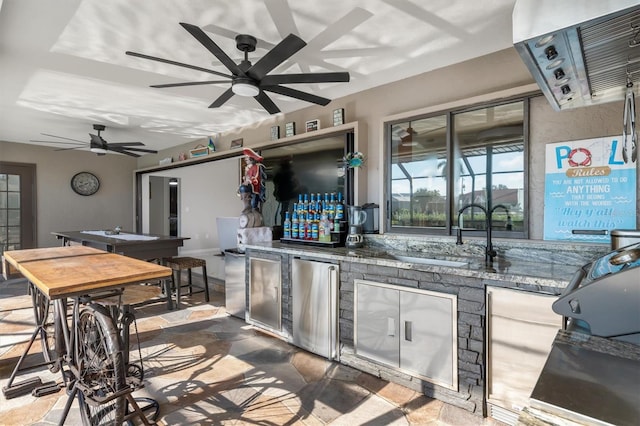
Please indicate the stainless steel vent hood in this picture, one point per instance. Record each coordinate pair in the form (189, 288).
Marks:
(580, 52)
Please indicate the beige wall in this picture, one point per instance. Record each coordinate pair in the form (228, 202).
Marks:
(61, 209)
(479, 80)
(461, 82)
(549, 126)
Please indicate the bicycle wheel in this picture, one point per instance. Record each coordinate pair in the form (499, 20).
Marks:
(51, 338)
(100, 368)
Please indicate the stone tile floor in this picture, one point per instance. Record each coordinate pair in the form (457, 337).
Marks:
(205, 367)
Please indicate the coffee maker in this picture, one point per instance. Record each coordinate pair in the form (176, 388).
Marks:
(357, 217)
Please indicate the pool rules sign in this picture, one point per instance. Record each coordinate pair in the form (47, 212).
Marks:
(589, 190)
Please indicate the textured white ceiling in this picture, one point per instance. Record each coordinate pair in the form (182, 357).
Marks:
(63, 66)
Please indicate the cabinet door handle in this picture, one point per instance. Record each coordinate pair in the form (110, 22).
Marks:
(407, 331)
(391, 327)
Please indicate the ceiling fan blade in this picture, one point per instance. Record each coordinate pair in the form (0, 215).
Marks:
(222, 98)
(283, 51)
(180, 64)
(69, 149)
(192, 83)
(59, 143)
(304, 96)
(123, 151)
(61, 137)
(97, 141)
(125, 144)
(135, 149)
(267, 103)
(209, 44)
(323, 77)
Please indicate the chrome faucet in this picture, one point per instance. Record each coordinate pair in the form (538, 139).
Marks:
(489, 253)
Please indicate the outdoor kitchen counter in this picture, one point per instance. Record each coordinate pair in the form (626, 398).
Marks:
(545, 277)
(405, 272)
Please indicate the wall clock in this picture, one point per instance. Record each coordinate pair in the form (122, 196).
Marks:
(85, 183)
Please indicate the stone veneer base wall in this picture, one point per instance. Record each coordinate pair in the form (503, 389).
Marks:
(471, 330)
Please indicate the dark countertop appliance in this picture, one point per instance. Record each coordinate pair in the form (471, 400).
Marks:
(372, 224)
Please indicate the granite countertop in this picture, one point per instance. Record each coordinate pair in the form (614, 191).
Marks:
(544, 276)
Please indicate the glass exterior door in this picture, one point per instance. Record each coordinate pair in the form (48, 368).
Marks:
(17, 206)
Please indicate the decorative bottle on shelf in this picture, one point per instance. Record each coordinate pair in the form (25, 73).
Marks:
(305, 227)
(315, 227)
(295, 225)
(331, 207)
(312, 204)
(324, 229)
(287, 225)
(339, 207)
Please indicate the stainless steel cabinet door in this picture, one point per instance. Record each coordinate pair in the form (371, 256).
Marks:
(235, 286)
(428, 336)
(377, 320)
(314, 305)
(264, 292)
(521, 327)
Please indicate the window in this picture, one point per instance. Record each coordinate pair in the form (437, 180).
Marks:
(442, 163)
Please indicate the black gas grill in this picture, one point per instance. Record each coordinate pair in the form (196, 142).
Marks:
(603, 298)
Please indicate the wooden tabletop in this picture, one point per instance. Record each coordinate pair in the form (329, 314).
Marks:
(74, 270)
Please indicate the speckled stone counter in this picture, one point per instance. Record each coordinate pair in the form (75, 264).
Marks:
(531, 275)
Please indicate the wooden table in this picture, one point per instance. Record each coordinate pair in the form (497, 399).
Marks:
(74, 271)
(61, 272)
(147, 247)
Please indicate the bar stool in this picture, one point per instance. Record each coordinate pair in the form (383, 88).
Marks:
(178, 264)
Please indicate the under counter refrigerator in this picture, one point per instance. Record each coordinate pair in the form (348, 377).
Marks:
(520, 330)
(314, 306)
(235, 293)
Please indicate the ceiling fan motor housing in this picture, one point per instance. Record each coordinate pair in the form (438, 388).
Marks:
(246, 42)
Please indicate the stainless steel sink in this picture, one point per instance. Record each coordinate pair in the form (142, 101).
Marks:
(428, 261)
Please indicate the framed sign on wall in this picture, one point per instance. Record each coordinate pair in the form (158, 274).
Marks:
(590, 189)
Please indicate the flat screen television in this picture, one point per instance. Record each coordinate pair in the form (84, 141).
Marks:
(303, 168)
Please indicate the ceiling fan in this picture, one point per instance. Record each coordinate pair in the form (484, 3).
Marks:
(252, 79)
(98, 145)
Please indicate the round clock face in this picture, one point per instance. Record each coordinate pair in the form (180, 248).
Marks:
(85, 183)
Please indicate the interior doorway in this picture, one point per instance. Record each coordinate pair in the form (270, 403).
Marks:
(17, 206)
(164, 205)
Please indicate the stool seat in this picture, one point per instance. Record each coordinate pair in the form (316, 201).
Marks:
(178, 264)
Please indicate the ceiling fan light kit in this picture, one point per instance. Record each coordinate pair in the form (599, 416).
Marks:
(253, 80)
(244, 87)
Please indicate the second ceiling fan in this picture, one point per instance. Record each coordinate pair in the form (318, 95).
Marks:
(252, 79)
(98, 145)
